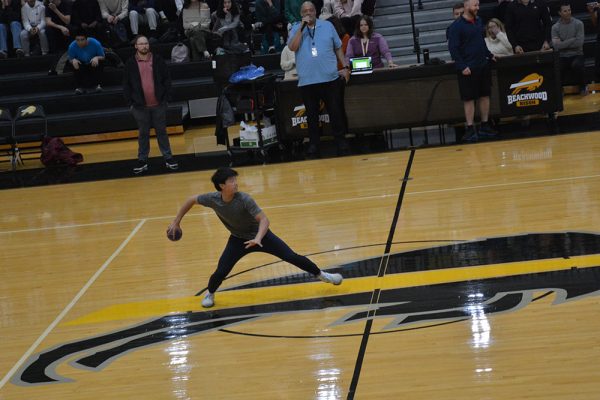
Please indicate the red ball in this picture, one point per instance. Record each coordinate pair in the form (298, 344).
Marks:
(175, 234)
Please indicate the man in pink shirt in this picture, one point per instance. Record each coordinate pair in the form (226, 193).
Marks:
(146, 86)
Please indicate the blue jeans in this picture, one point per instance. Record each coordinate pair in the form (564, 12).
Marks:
(152, 117)
(15, 30)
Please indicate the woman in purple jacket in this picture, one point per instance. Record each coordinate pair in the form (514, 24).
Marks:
(366, 43)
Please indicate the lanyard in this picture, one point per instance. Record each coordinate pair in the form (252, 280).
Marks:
(312, 33)
(365, 46)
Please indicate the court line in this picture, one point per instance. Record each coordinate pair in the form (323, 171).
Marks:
(64, 312)
(376, 293)
(313, 203)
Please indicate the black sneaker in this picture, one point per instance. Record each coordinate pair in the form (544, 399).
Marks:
(142, 166)
(171, 164)
(79, 91)
(470, 134)
(486, 130)
(312, 152)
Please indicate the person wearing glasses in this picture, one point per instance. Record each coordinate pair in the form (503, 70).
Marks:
(86, 55)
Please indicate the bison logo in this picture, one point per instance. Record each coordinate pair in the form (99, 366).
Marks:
(530, 83)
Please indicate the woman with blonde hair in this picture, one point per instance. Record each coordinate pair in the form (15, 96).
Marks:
(496, 39)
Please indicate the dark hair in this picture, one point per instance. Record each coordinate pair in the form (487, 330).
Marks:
(337, 24)
(564, 4)
(137, 37)
(369, 22)
(458, 6)
(234, 10)
(221, 175)
(79, 32)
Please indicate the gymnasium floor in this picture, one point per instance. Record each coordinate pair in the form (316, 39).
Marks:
(471, 271)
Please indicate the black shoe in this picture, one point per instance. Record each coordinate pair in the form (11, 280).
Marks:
(79, 91)
(312, 152)
(171, 164)
(470, 135)
(343, 148)
(486, 131)
(142, 166)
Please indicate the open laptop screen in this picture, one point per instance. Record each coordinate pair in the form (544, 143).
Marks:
(361, 65)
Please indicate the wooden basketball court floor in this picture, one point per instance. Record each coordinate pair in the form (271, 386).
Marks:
(470, 272)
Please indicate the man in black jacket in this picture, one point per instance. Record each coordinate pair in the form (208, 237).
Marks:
(146, 86)
(528, 25)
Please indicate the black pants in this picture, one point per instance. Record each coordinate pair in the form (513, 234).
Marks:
(572, 70)
(270, 26)
(235, 249)
(87, 76)
(332, 94)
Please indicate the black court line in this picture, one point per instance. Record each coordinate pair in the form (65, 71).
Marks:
(388, 246)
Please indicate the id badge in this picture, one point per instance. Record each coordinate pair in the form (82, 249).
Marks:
(314, 51)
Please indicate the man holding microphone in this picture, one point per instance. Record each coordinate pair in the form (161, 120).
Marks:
(318, 48)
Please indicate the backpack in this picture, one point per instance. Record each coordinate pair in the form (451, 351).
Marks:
(55, 152)
(180, 53)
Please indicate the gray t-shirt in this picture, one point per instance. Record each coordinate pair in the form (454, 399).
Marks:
(238, 215)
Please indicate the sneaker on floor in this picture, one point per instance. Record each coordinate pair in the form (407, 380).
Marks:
(99, 89)
(470, 134)
(336, 279)
(3, 54)
(209, 300)
(79, 91)
(142, 166)
(271, 50)
(20, 53)
(171, 164)
(206, 54)
(486, 130)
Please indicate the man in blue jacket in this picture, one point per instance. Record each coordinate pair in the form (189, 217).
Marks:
(471, 57)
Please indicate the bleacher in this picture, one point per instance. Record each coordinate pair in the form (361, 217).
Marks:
(27, 81)
(431, 18)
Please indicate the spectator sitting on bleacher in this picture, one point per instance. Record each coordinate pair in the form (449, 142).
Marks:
(366, 43)
(86, 55)
(500, 10)
(567, 37)
(225, 23)
(86, 15)
(58, 24)
(10, 19)
(594, 10)
(496, 39)
(169, 10)
(528, 25)
(196, 26)
(327, 10)
(270, 15)
(115, 13)
(291, 9)
(33, 15)
(143, 12)
(348, 11)
(457, 12)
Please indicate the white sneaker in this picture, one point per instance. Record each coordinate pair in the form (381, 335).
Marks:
(209, 300)
(336, 279)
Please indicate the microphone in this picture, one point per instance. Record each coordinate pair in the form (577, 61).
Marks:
(304, 23)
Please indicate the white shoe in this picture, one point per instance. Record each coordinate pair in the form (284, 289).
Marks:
(209, 300)
(336, 279)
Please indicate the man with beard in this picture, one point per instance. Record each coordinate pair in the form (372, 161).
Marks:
(471, 57)
(146, 86)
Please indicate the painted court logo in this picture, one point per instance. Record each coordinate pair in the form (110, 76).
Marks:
(525, 93)
(487, 277)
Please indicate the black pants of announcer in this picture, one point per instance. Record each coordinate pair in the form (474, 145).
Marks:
(332, 94)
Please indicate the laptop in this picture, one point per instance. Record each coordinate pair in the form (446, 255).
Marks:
(361, 65)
